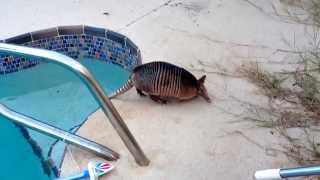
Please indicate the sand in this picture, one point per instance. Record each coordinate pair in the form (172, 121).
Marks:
(191, 140)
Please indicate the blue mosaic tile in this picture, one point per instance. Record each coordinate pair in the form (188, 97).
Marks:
(114, 48)
(116, 37)
(133, 48)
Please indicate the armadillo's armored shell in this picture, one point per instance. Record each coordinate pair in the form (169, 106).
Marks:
(165, 80)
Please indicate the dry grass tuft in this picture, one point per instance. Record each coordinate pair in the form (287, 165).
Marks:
(295, 106)
(304, 12)
(294, 95)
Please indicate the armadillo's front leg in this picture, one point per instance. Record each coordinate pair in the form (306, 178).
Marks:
(140, 92)
(158, 99)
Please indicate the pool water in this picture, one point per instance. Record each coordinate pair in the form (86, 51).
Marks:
(54, 95)
(17, 159)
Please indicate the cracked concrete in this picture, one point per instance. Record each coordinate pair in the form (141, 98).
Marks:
(191, 140)
(146, 14)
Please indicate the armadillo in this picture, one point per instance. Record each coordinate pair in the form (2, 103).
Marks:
(163, 81)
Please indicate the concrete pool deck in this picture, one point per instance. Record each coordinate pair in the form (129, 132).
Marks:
(190, 140)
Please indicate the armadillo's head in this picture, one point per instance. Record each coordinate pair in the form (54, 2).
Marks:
(202, 91)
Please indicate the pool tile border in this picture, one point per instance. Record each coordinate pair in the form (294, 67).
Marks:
(45, 33)
(21, 39)
(76, 41)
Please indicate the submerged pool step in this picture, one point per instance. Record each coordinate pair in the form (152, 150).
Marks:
(65, 136)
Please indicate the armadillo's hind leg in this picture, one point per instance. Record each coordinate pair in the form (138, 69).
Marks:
(158, 99)
(140, 92)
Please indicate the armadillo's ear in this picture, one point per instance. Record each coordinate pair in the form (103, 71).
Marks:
(202, 79)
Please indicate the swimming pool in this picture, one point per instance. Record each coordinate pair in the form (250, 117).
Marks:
(57, 96)
(54, 95)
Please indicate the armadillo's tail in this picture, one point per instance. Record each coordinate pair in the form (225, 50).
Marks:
(126, 87)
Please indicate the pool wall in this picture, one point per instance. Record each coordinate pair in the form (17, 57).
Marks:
(79, 41)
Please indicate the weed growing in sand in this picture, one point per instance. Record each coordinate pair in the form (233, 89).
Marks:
(294, 94)
(300, 11)
(294, 106)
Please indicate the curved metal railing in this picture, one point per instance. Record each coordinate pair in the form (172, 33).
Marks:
(52, 131)
(94, 87)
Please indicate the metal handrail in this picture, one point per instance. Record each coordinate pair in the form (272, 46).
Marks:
(94, 87)
(55, 132)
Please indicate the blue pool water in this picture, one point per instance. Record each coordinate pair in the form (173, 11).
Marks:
(17, 159)
(49, 93)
